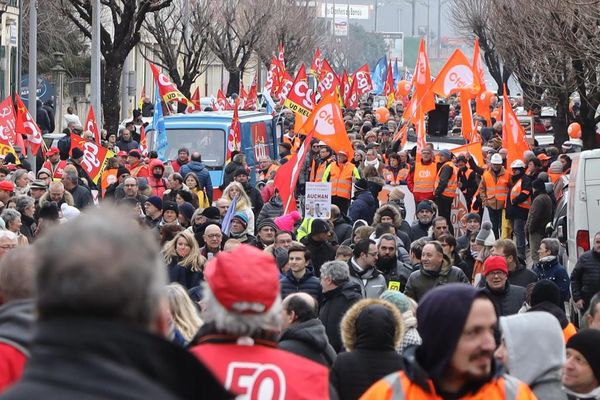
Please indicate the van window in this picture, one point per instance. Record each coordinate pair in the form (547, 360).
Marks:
(209, 142)
(592, 166)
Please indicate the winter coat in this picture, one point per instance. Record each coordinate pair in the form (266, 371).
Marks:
(202, 174)
(307, 284)
(418, 230)
(183, 275)
(513, 211)
(422, 280)
(402, 227)
(585, 277)
(158, 185)
(67, 198)
(509, 300)
(43, 119)
(17, 320)
(342, 229)
(28, 228)
(82, 197)
(549, 268)
(540, 214)
(398, 273)
(375, 185)
(334, 305)
(272, 209)
(228, 173)
(255, 199)
(320, 253)
(127, 145)
(522, 276)
(371, 350)
(363, 207)
(535, 346)
(113, 361)
(371, 281)
(308, 339)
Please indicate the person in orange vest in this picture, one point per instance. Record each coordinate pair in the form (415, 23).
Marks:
(460, 366)
(341, 174)
(493, 191)
(421, 179)
(446, 183)
(54, 164)
(394, 174)
(109, 175)
(518, 203)
(325, 158)
(137, 167)
(285, 152)
(266, 169)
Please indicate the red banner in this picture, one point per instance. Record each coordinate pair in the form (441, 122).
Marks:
(300, 99)
(362, 76)
(329, 81)
(27, 126)
(95, 157)
(167, 89)
(7, 121)
(91, 125)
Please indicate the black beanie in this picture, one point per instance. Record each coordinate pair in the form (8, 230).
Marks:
(441, 317)
(545, 290)
(170, 205)
(587, 342)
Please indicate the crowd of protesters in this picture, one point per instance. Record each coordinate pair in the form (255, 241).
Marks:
(155, 282)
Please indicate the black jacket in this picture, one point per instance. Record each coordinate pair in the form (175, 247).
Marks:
(334, 305)
(307, 284)
(509, 300)
(513, 211)
(522, 276)
(255, 199)
(363, 206)
(308, 339)
(82, 197)
(418, 230)
(342, 229)
(77, 358)
(585, 278)
(320, 253)
(183, 275)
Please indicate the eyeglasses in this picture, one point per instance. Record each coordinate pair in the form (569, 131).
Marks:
(497, 273)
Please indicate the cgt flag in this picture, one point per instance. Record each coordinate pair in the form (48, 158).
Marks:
(26, 125)
(91, 125)
(286, 177)
(95, 157)
(300, 99)
(7, 121)
(362, 77)
(234, 138)
(166, 88)
(456, 75)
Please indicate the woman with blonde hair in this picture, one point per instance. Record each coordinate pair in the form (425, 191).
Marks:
(243, 202)
(184, 260)
(184, 314)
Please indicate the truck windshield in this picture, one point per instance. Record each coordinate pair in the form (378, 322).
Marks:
(209, 142)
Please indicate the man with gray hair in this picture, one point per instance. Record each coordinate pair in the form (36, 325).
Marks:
(82, 197)
(239, 338)
(17, 287)
(339, 294)
(102, 325)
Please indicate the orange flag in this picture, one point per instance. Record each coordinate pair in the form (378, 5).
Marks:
(483, 98)
(456, 74)
(422, 80)
(478, 71)
(513, 135)
(473, 149)
(327, 123)
(468, 128)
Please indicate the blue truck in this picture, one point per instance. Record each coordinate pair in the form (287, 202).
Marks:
(207, 132)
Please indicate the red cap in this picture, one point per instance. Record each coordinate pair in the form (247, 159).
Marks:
(244, 280)
(543, 157)
(122, 154)
(52, 151)
(494, 263)
(7, 186)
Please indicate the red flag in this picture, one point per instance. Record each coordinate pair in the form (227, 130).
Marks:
(143, 141)
(328, 81)
(286, 176)
(196, 97)
(252, 98)
(7, 121)
(91, 125)
(344, 87)
(26, 125)
(286, 86)
(300, 99)
(362, 76)
(388, 89)
(352, 100)
(513, 135)
(167, 89)
(222, 101)
(281, 57)
(234, 139)
(95, 157)
(273, 77)
(317, 64)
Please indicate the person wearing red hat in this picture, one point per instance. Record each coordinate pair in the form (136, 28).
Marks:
(341, 174)
(508, 298)
(7, 189)
(238, 341)
(54, 164)
(137, 167)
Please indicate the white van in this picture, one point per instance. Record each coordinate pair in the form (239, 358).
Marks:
(583, 212)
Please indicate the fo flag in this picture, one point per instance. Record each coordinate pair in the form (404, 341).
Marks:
(26, 125)
(91, 124)
(166, 88)
(300, 99)
(286, 177)
(95, 157)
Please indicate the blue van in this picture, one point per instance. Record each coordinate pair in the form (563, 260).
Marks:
(207, 132)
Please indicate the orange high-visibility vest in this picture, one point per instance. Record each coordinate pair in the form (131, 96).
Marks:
(569, 331)
(497, 188)
(517, 190)
(341, 179)
(389, 177)
(425, 177)
(321, 170)
(450, 190)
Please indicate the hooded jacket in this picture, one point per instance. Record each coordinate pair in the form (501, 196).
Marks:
(198, 168)
(334, 305)
(536, 362)
(585, 277)
(342, 229)
(371, 333)
(371, 281)
(272, 209)
(16, 333)
(363, 206)
(67, 198)
(402, 227)
(158, 185)
(308, 339)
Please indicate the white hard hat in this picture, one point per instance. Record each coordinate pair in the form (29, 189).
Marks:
(517, 164)
(496, 159)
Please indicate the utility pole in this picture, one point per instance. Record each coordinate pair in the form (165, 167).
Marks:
(413, 6)
(32, 72)
(96, 97)
(438, 47)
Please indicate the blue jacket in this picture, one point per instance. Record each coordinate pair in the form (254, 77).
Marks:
(307, 284)
(203, 176)
(363, 207)
(553, 271)
(183, 275)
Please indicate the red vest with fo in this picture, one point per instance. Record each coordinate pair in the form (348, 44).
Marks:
(256, 372)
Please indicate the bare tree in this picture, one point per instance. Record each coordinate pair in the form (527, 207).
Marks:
(472, 19)
(116, 41)
(181, 42)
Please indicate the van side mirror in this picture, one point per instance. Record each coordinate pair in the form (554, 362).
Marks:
(561, 229)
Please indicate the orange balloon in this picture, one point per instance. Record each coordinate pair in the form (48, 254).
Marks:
(382, 115)
(403, 88)
(574, 130)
